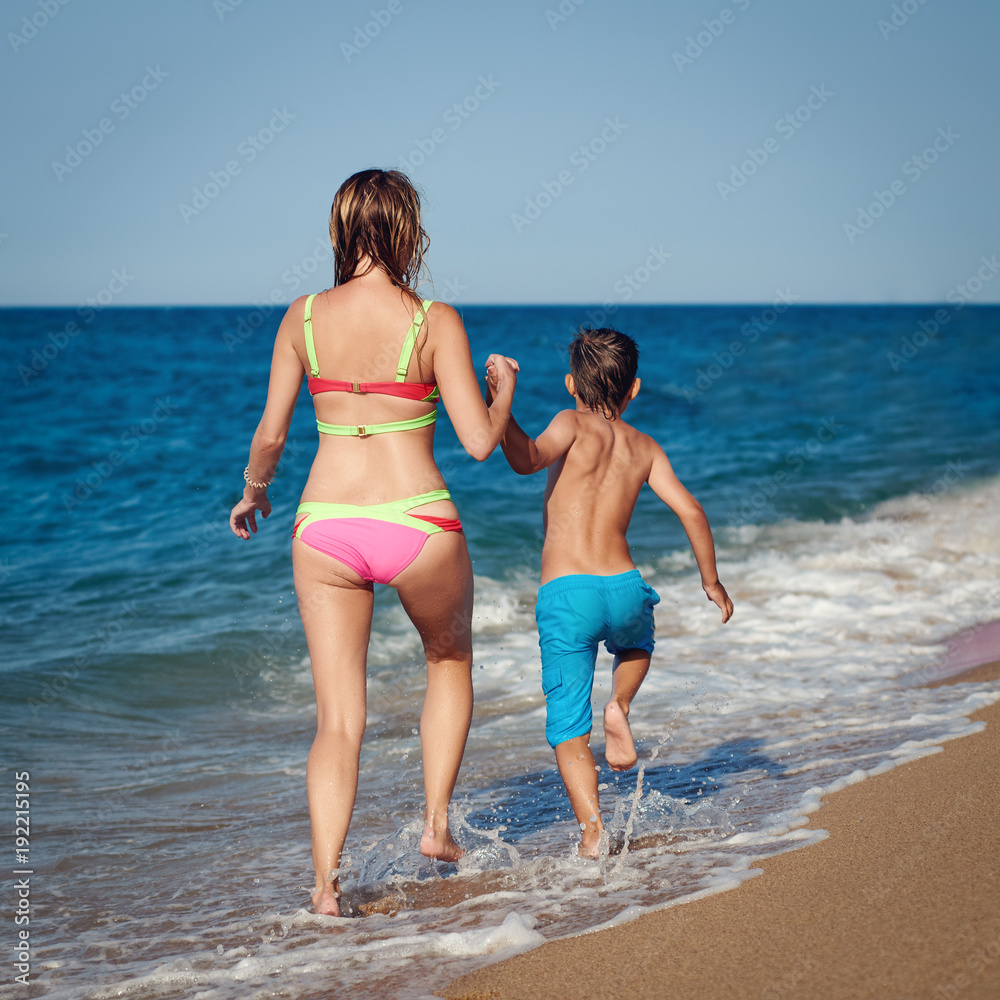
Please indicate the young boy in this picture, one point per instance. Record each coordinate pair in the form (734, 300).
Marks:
(590, 589)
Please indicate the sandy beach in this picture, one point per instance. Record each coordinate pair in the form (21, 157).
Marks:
(901, 900)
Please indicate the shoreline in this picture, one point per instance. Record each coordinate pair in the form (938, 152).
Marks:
(899, 901)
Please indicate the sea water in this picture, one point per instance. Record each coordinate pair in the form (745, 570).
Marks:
(157, 687)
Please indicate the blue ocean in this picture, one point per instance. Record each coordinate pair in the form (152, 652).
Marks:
(156, 680)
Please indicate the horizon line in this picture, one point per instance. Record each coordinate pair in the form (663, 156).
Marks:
(607, 306)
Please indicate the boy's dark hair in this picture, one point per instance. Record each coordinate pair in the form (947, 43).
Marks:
(603, 364)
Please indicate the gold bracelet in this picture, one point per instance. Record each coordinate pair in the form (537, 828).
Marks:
(256, 486)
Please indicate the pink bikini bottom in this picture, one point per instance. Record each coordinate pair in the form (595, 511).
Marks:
(377, 541)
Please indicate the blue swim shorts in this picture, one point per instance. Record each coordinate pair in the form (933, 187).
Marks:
(574, 614)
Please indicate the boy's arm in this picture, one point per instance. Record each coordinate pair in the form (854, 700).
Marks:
(526, 456)
(665, 484)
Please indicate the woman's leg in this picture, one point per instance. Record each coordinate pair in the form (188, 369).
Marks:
(336, 609)
(436, 592)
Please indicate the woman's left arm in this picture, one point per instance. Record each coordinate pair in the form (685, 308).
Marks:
(272, 431)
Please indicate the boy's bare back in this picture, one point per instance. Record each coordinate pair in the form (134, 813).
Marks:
(591, 492)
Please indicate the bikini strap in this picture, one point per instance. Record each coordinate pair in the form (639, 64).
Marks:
(310, 346)
(410, 340)
(419, 501)
(366, 430)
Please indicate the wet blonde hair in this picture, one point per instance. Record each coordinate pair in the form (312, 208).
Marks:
(376, 213)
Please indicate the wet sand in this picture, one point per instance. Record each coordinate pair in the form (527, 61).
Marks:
(902, 900)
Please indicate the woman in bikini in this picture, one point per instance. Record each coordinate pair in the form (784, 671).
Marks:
(375, 508)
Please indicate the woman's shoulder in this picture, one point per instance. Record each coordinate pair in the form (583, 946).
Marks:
(441, 310)
(297, 307)
(444, 318)
(295, 314)
(293, 319)
(444, 327)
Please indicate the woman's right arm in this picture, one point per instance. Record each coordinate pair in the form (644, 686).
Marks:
(479, 427)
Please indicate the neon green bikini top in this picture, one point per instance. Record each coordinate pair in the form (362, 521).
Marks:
(424, 391)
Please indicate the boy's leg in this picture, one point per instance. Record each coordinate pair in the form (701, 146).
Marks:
(579, 774)
(566, 626)
(631, 666)
(631, 643)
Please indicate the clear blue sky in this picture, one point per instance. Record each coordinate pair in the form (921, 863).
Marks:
(205, 80)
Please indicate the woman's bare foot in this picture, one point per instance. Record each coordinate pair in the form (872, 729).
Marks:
(619, 748)
(437, 842)
(326, 899)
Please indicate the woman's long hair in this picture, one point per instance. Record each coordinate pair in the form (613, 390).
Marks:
(376, 214)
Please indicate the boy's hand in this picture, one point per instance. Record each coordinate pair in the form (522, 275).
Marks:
(717, 593)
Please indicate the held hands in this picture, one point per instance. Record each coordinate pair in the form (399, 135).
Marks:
(242, 515)
(500, 371)
(717, 594)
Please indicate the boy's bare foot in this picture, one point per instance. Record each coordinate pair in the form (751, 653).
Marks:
(327, 899)
(589, 846)
(619, 748)
(439, 843)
